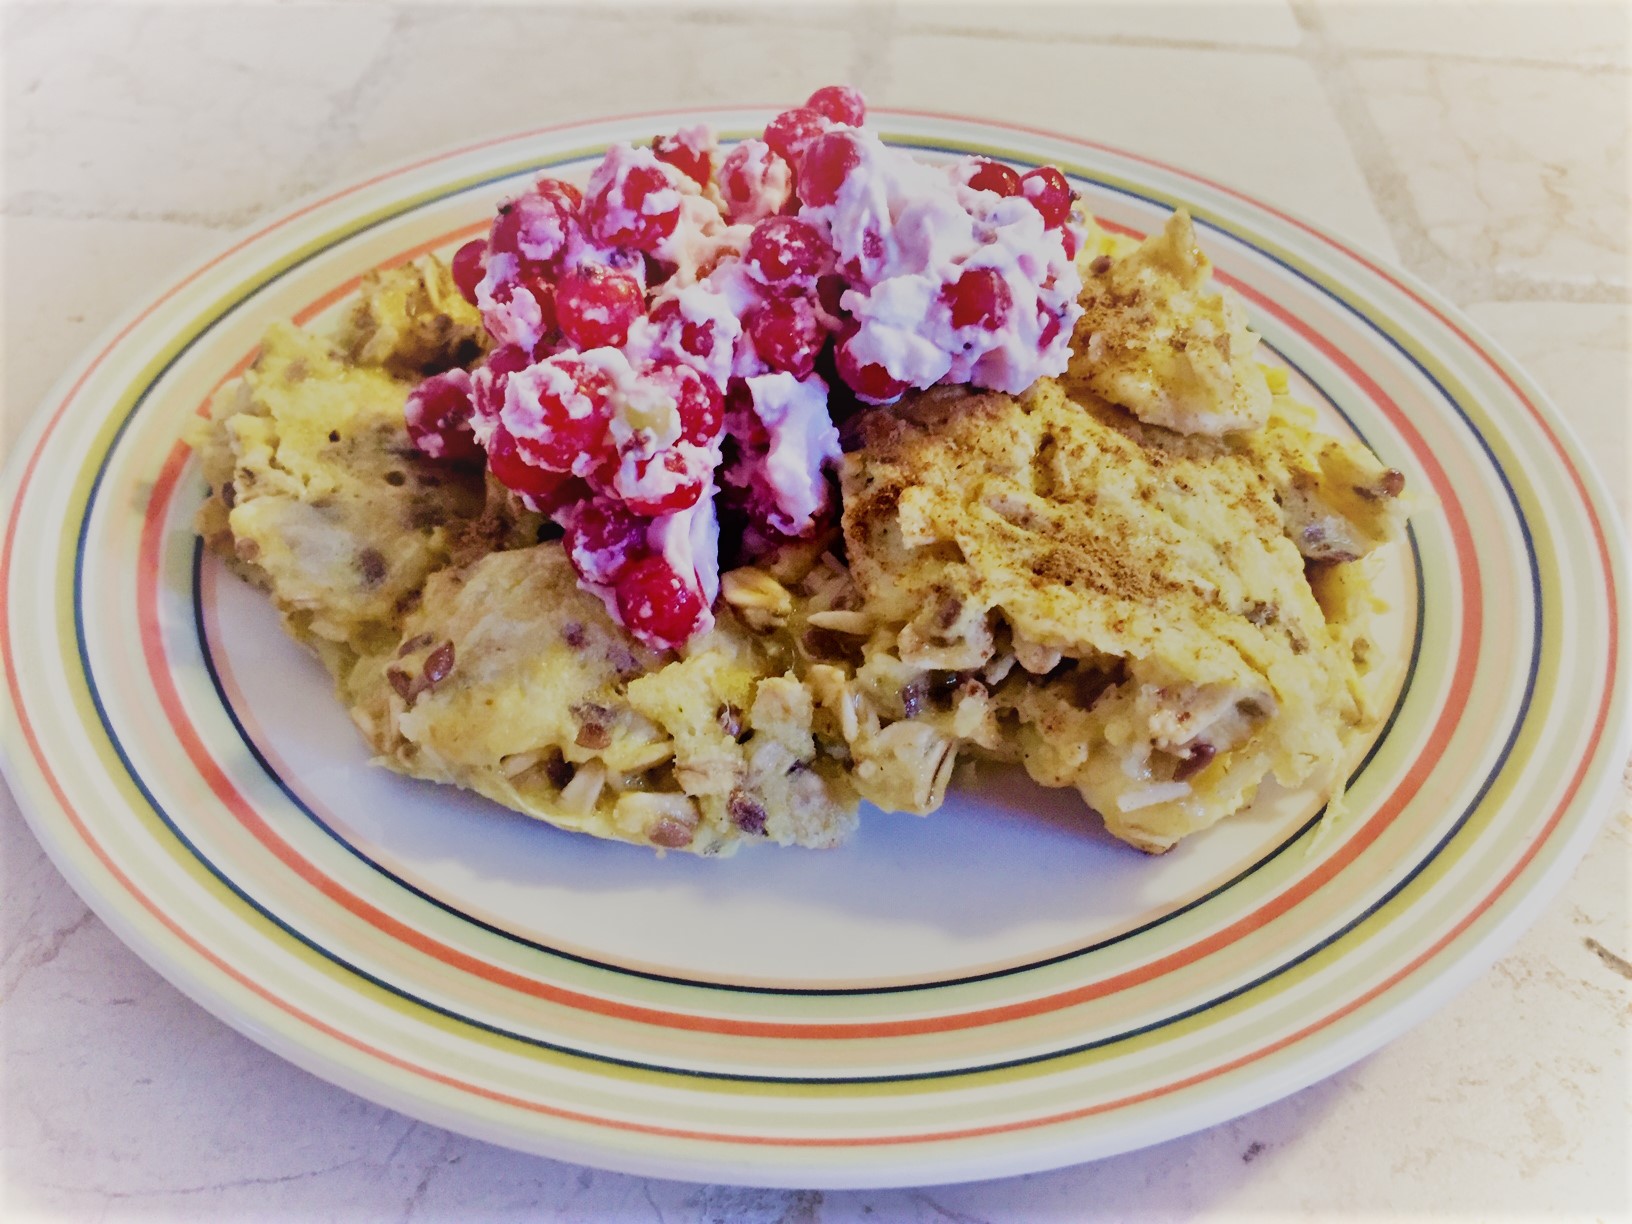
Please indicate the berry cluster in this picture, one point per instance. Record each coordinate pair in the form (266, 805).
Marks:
(658, 336)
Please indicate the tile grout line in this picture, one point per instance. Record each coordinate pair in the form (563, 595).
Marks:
(1391, 193)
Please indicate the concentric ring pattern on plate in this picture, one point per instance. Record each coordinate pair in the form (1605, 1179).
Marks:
(753, 1021)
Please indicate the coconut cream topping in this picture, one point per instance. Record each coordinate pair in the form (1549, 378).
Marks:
(659, 335)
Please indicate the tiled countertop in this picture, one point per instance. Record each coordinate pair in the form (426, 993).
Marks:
(1482, 146)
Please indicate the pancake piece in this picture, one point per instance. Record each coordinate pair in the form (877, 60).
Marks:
(512, 682)
(1130, 598)
(1159, 339)
(462, 646)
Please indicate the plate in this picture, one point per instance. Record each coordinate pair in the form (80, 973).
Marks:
(996, 989)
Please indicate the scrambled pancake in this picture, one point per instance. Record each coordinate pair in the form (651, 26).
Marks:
(1131, 598)
(1147, 581)
(461, 644)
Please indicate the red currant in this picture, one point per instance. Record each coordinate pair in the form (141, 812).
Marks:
(468, 267)
(871, 383)
(689, 152)
(664, 483)
(697, 399)
(535, 227)
(657, 604)
(561, 191)
(438, 417)
(830, 293)
(1049, 194)
(755, 182)
(840, 103)
(595, 306)
(558, 411)
(543, 490)
(786, 253)
(828, 159)
(680, 333)
(603, 538)
(787, 335)
(979, 298)
(632, 200)
(793, 130)
(988, 175)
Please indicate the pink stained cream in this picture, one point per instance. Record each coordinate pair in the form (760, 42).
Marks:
(677, 338)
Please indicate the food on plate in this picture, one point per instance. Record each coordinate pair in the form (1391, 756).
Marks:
(699, 505)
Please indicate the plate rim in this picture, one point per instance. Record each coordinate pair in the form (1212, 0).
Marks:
(1467, 964)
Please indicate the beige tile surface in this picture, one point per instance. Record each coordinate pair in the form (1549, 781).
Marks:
(1511, 173)
(1579, 354)
(1598, 33)
(634, 65)
(1237, 23)
(63, 282)
(218, 107)
(1260, 122)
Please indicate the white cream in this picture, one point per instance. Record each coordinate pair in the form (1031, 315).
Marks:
(803, 441)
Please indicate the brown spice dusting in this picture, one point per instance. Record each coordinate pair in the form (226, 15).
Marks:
(1260, 613)
(334, 435)
(395, 479)
(572, 633)
(229, 495)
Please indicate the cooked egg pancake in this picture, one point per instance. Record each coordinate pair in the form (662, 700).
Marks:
(464, 650)
(1171, 652)
(514, 683)
(1158, 338)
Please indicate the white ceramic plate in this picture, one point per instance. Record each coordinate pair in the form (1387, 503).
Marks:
(996, 989)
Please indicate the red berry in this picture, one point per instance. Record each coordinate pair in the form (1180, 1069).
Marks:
(468, 267)
(827, 161)
(664, 483)
(988, 175)
(603, 539)
(1071, 240)
(697, 399)
(1051, 329)
(543, 490)
(438, 417)
(839, 103)
(657, 604)
(522, 310)
(1049, 194)
(786, 253)
(595, 306)
(632, 200)
(558, 410)
(755, 182)
(561, 191)
(829, 292)
(793, 130)
(681, 333)
(872, 383)
(980, 297)
(688, 152)
(535, 226)
(787, 335)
